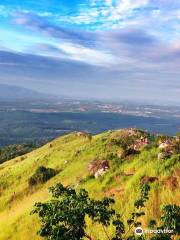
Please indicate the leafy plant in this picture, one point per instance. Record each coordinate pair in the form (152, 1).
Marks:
(152, 223)
(171, 218)
(161, 236)
(41, 175)
(139, 204)
(64, 217)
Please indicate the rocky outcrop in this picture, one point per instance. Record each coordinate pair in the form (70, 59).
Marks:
(98, 167)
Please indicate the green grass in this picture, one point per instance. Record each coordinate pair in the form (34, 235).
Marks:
(70, 155)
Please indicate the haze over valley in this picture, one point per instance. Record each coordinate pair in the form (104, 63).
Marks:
(28, 116)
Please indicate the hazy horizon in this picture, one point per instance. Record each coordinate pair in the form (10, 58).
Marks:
(19, 91)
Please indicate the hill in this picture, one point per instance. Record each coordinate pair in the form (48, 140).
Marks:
(113, 163)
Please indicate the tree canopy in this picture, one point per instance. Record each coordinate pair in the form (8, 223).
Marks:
(64, 217)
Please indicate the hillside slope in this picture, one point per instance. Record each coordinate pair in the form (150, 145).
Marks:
(109, 164)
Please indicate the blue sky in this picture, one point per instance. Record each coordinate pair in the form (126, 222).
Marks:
(113, 49)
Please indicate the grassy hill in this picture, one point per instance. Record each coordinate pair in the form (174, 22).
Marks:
(130, 156)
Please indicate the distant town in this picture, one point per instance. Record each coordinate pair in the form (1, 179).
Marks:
(73, 105)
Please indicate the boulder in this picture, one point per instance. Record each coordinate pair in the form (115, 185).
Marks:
(98, 167)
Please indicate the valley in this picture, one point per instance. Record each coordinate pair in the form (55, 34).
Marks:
(40, 121)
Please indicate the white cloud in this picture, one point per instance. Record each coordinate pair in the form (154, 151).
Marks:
(128, 5)
(77, 52)
(88, 55)
(82, 17)
(124, 9)
(106, 13)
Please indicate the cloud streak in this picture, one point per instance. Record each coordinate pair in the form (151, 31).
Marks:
(40, 24)
(118, 46)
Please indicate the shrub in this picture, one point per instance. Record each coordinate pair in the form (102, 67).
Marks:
(171, 218)
(41, 175)
(152, 223)
(64, 217)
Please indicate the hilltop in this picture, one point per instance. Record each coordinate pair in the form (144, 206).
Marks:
(113, 163)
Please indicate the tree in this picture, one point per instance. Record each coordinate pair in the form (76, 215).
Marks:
(139, 204)
(171, 218)
(64, 216)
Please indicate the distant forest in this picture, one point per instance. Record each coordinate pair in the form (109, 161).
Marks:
(15, 150)
(19, 127)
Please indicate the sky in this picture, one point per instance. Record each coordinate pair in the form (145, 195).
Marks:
(105, 49)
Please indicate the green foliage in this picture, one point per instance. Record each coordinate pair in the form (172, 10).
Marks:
(41, 175)
(171, 218)
(178, 135)
(120, 181)
(152, 223)
(25, 126)
(64, 216)
(12, 151)
(139, 204)
(176, 147)
(162, 236)
(133, 237)
(170, 162)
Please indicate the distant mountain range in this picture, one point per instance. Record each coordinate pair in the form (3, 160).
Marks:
(9, 93)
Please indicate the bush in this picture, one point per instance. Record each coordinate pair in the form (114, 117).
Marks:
(64, 217)
(41, 175)
(171, 218)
